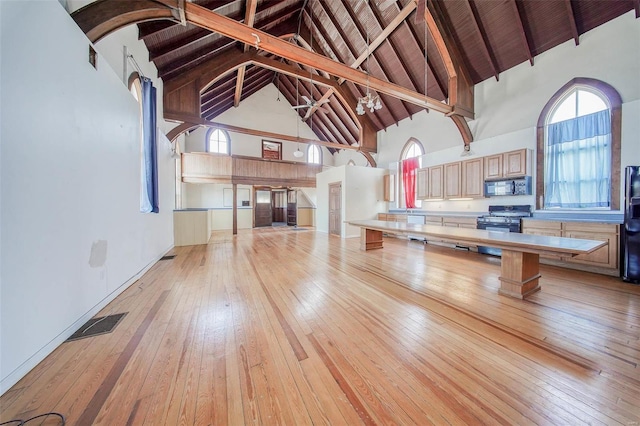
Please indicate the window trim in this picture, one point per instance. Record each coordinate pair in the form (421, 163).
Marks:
(406, 146)
(208, 137)
(615, 104)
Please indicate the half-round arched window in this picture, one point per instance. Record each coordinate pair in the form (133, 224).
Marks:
(351, 163)
(314, 155)
(413, 148)
(579, 147)
(218, 141)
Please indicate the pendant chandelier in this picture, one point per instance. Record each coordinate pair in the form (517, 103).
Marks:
(372, 102)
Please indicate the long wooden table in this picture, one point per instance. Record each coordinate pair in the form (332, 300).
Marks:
(520, 252)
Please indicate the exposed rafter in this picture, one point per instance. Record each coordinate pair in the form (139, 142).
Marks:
(521, 31)
(483, 37)
(572, 22)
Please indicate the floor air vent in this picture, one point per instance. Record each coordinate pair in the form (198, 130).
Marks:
(168, 257)
(96, 326)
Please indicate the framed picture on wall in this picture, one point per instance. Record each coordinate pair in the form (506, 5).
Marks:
(271, 150)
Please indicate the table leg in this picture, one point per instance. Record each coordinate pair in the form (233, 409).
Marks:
(370, 239)
(520, 274)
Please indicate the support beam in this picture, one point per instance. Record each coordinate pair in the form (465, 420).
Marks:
(482, 36)
(180, 129)
(198, 121)
(235, 208)
(205, 18)
(249, 18)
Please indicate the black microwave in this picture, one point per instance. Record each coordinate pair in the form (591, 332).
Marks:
(516, 186)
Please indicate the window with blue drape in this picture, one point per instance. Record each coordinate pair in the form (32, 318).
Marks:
(149, 172)
(578, 162)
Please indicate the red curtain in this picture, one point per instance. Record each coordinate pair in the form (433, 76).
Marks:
(409, 167)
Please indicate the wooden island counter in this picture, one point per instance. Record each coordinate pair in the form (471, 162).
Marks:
(520, 252)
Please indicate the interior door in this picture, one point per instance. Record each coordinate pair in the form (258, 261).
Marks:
(335, 209)
(279, 206)
(263, 208)
(292, 207)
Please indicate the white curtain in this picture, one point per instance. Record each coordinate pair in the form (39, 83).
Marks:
(578, 162)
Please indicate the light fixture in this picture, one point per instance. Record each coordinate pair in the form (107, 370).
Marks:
(372, 102)
(297, 153)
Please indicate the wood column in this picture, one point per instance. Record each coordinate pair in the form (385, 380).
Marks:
(235, 209)
(520, 274)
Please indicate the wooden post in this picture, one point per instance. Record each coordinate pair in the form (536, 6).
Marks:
(370, 239)
(235, 209)
(520, 274)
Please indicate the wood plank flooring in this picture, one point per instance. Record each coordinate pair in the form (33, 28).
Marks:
(276, 326)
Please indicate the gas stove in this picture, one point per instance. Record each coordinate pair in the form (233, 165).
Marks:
(505, 215)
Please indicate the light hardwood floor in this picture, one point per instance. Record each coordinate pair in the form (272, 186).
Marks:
(277, 326)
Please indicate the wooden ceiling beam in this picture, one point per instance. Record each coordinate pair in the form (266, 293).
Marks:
(521, 31)
(572, 22)
(249, 18)
(471, 9)
(636, 6)
(341, 137)
(323, 135)
(198, 121)
(149, 29)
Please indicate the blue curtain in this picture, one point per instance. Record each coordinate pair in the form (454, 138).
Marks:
(149, 175)
(578, 162)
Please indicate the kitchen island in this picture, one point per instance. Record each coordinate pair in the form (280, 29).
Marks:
(520, 252)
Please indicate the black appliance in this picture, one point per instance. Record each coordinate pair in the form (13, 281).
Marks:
(517, 186)
(501, 219)
(631, 227)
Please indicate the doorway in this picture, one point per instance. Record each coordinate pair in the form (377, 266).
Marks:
(292, 207)
(263, 215)
(279, 207)
(335, 209)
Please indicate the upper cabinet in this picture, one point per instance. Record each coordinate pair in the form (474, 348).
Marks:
(453, 180)
(506, 165)
(436, 182)
(422, 184)
(389, 189)
(472, 182)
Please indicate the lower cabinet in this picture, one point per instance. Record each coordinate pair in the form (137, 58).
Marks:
(460, 222)
(391, 217)
(604, 260)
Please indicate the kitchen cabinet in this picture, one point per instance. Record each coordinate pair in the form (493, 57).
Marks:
(391, 217)
(472, 182)
(453, 180)
(433, 220)
(507, 165)
(459, 222)
(422, 184)
(605, 260)
(389, 189)
(436, 182)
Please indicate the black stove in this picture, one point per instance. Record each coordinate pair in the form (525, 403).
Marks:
(502, 219)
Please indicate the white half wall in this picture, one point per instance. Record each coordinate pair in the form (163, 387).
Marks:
(72, 234)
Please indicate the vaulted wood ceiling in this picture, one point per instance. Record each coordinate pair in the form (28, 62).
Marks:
(484, 38)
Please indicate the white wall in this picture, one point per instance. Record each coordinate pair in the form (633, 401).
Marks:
(362, 196)
(507, 111)
(70, 151)
(261, 111)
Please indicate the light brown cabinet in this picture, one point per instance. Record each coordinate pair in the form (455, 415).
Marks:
(422, 184)
(433, 220)
(453, 180)
(391, 217)
(472, 182)
(508, 164)
(605, 260)
(436, 182)
(459, 222)
(389, 189)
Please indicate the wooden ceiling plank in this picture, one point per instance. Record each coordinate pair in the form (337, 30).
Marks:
(386, 32)
(249, 18)
(521, 31)
(572, 22)
(437, 79)
(482, 36)
(149, 29)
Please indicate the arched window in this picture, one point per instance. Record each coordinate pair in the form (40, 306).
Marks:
(218, 141)
(579, 147)
(413, 148)
(314, 155)
(351, 163)
(410, 161)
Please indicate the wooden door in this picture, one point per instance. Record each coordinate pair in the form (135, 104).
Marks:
(263, 208)
(292, 207)
(279, 206)
(335, 209)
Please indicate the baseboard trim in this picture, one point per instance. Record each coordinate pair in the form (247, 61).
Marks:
(14, 377)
